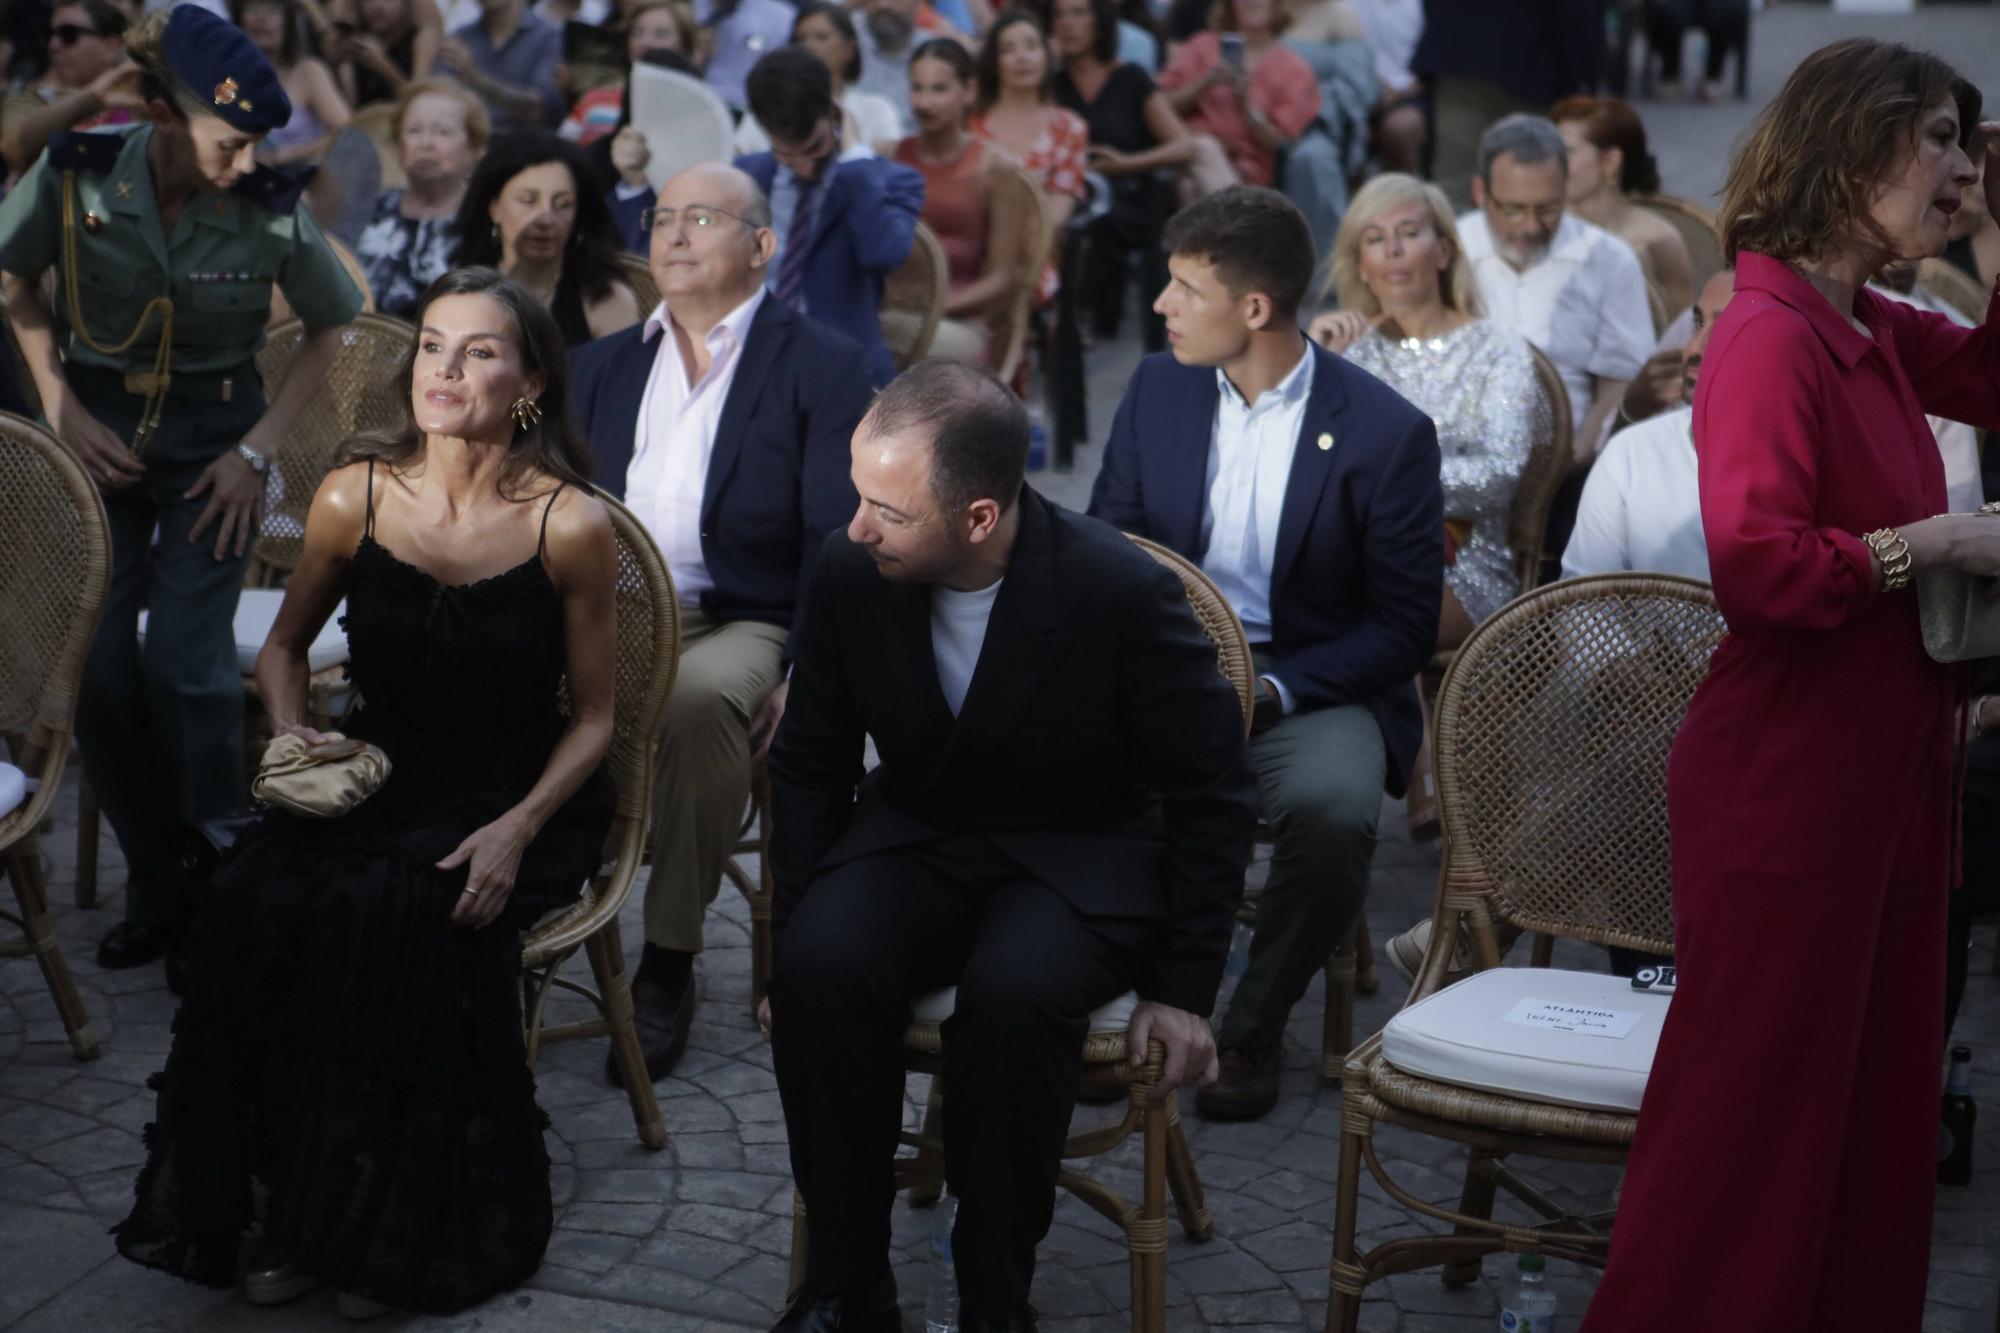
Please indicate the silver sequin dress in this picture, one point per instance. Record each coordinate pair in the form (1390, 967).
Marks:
(1478, 384)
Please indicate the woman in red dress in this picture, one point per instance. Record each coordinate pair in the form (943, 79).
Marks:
(1782, 1174)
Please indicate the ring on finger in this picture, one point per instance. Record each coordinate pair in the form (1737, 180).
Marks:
(469, 889)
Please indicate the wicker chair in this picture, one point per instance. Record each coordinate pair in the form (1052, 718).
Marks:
(1553, 731)
(55, 545)
(361, 393)
(1168, 1165)
(639, 276)
(281, 309)
(377, 120)
(758, 890)
(648, 654)
(1550, 461)
(913, 300)
(1954, 286)
(1007, 330)
(1697, 228)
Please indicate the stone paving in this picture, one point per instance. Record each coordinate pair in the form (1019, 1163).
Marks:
(696, 1237)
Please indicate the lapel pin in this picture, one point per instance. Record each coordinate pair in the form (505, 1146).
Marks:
(1326, 440)
(92, 222)
(124, 189)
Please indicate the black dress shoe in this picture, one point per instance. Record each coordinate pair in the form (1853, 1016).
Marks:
(1023, 1322)
(871, 1309)
(662, 1019)
(129, 944)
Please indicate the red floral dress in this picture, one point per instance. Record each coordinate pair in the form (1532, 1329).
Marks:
(1057, 161)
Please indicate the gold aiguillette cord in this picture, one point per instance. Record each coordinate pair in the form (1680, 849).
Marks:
(151, 385)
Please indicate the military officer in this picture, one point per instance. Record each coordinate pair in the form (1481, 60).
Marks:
(166, 239)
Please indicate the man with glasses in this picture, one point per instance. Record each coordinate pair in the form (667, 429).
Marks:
(844, 218)
(1573, 290)
(722, 422)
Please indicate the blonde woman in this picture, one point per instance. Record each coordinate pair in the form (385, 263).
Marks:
(1410, 315)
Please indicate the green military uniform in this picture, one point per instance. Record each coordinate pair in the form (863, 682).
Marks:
(159, 727)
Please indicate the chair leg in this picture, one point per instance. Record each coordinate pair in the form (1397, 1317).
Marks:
(1147, 1231)
(1476, 1201)
(795, 1277)
(1346, 1278)
(926, 1172)
(1182, 1178)
(760, 906)
(24, 868)
(1367, 979)
(1337, 1027)
(607, 962)
(86, 845)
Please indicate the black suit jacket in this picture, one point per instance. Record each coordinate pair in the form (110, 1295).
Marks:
(778, 475)
(1359, 568)
(1098, 745)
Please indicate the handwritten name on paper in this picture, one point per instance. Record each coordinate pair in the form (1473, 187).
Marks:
(1583, 1020)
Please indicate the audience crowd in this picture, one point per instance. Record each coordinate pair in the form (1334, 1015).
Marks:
(1387, 256)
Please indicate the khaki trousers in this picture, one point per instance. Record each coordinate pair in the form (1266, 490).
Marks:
(701, 784)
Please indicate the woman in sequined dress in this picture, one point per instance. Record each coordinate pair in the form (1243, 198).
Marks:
(1410, 316)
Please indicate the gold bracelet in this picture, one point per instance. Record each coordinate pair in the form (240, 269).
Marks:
(1894, 553)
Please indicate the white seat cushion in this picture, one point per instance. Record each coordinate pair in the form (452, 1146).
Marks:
(1464, 1035)
(257, 611)
(1113, 1017)
(13, 789)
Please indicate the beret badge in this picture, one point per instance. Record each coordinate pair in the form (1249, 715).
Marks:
(225, 93)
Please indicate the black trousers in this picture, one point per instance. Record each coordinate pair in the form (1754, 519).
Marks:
(870, 936)
(1727, 23)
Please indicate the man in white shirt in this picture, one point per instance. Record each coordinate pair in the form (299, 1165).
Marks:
(1573, 290)
(723, 422)
(1309, 492)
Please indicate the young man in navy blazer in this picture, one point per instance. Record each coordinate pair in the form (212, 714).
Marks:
(1308, 490)
(845, 219)
(723, 421)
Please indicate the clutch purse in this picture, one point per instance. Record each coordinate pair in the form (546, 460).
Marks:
(321, 781)
(1960, 622)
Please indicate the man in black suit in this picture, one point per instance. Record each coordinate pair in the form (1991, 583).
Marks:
(723, 421)
(1309, 491)
(1062, 814)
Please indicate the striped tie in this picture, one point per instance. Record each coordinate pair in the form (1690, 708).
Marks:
(792, 264)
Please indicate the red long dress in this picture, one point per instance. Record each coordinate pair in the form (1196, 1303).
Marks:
(1782, 1174)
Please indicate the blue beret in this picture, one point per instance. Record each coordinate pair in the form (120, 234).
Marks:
(223, 71)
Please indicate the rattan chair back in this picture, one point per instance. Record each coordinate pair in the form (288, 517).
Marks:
(281, 309)
(1656, 307)
(913, 300)
(1553, 728)
(1955, 287)
(55, 546)
(1007, 331)
(1549, 463)
(363, 391)
(1217, 619)
(639, 276)
(1698, 232)
(377, 120)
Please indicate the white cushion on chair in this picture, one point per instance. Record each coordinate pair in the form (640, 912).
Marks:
(1113, 1017)
(13, 788)
(257, 611)
(1462, 1036)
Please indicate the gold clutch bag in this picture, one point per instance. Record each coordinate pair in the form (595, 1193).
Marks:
(319, 781)
(1960, 621)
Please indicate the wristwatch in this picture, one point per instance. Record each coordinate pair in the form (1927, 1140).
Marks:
(259, 463)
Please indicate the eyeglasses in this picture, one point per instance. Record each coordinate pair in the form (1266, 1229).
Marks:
(1548, 215)
(69, 34)
(701, 217)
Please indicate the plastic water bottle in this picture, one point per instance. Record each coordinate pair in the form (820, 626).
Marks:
(1238, 962)
(1529, 1306)
(941, 1306)
(1038, 441)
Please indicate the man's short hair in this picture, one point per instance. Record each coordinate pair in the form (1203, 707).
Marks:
(790, 92)
(978, 430)
(1526, 138)
(1257, 240)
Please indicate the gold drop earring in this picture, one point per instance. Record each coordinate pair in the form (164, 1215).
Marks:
(525, 412)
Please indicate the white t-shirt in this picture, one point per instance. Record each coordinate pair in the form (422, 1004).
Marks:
(1583, 303)
(1641, 505)
(1958, 443)
(958, 632)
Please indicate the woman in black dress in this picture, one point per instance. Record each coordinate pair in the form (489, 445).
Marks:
(348, 1078)
(1136, 142)
(534, 211)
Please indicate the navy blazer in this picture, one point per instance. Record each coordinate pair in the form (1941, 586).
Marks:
(1358, 574)
(862, 232)
(778, 474)
(1097, 746)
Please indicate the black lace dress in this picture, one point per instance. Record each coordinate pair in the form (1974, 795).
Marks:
(347, 1072)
